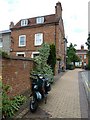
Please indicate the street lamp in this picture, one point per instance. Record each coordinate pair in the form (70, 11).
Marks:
(65, 50)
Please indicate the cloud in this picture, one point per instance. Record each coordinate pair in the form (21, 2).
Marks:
(75, 15)
(89, 16)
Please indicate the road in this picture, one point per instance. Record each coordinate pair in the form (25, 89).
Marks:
(86, 81)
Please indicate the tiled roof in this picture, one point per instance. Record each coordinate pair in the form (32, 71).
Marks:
(5, 31)
(32, 21)
(81, 50)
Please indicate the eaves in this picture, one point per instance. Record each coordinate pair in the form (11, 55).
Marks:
(35, 26)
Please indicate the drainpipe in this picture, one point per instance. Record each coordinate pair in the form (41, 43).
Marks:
(55, 36)
(65, 50)
(56, 49)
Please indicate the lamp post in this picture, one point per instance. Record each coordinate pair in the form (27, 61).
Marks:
(65, 51)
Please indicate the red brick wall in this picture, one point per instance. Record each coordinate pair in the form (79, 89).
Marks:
(52, 33)
(48, 36)
(84, 60)
(16, 73)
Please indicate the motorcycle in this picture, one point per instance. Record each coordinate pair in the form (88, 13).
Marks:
(40, 88)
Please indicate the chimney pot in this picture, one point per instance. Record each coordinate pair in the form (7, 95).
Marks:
(82, 47)
(11, 25)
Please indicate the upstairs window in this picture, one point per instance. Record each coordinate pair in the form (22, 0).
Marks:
(24, 22)
(38, 39)
(40, 20)
(22, 40)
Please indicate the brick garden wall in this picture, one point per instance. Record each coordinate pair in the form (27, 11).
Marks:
(16, 73)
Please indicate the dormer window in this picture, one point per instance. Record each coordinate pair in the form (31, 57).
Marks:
(40, 20)
(24, 22)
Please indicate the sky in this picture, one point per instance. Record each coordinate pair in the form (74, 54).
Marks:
(74, 14)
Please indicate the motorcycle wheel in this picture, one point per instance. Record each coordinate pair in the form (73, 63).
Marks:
(33, 105)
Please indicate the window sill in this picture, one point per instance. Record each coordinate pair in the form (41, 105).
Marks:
(37, 45)
(22, 46)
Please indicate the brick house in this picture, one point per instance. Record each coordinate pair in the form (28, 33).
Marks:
(82, 53)
(5, 40)
(29, 34)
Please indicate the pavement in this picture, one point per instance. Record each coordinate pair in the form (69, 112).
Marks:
(67, 99)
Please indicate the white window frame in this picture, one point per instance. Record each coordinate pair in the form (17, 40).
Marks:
(24, 22)
(33, 53)
(24, 40)
(84, 56)
(19, 53)
(85, 64)
(39, 20)
(38, 41)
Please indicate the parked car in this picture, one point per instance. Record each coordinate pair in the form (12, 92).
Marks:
(70, 66)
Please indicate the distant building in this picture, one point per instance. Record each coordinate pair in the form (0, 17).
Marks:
(5, 40)
(29, 34)
(82, 53)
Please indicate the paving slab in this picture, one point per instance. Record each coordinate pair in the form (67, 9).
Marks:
(66, 100)
(63, 100)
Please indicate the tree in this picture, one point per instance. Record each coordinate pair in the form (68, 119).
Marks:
(71, 54)
(88, 53)
(41, 62)
(88, 42)
(52, 57)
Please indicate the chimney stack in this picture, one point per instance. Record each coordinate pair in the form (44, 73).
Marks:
(11, 25)
(58, 9)
(82, 47)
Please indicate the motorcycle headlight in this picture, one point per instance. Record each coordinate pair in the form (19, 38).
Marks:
(40, 77)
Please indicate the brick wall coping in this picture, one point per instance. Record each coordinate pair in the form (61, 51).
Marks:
(18, 58)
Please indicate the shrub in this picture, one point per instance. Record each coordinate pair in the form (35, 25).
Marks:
(4, 54)
(89, 63)
(10, 106)
(41, 62)
(52, 57)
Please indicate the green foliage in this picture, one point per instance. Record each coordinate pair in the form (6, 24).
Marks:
(88, 42)
(72, 56)
(10, 106)
(0, 82)
(4, 54)
(0, 94)
(88, 53)
(89, 64)
(52, 57)
(41, 62)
